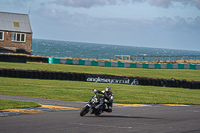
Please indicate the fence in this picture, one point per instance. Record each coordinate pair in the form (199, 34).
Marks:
(156, 58)
(123, 64)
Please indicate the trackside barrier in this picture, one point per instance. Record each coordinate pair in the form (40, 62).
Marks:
(22, 58)
(35, 74)
(98, 78)
(12, 58)
(37, 59)
(123, 64)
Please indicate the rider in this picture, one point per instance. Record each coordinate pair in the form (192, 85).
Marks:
(108, 95)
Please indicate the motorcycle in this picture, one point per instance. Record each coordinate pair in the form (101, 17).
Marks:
(96, 105)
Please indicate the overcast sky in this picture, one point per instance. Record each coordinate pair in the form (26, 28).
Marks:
(173, 24)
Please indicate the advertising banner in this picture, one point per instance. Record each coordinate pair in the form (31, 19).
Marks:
(112, 79)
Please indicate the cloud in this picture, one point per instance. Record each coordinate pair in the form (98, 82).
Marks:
(93, 3)
(86, 3)
(84, 21)
(197, 3)
(55, 13)
(115, 30)
(168, 3)
(14, 3)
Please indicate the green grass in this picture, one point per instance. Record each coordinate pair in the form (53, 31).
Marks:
(7, 104)
(82, 91)
(188, 74)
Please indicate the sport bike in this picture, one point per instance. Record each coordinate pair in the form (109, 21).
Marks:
(96, 105)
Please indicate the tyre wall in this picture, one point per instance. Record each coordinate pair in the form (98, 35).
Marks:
(37, 59)
(13, 58)
(22, 58)
(35, 74)
(98, 78)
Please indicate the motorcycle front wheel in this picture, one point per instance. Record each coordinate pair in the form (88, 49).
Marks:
(84, 111)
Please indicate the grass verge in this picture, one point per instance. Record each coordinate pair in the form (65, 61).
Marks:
(7, 104)
(82, 91)
(188, 74)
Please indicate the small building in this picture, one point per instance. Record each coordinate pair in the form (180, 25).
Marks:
(15, 33)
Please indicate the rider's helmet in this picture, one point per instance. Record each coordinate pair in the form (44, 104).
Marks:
(107, 90)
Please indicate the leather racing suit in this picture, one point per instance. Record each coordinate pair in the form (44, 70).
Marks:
(108, 99)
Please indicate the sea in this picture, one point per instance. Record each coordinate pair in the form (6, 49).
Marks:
(54, 48)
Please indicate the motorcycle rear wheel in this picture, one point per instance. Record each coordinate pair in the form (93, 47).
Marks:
(84, 111)
(98, 113)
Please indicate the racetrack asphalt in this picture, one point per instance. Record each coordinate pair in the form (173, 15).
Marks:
(124, 118)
